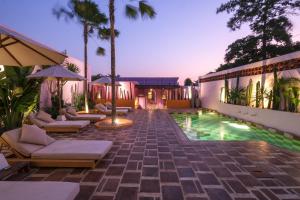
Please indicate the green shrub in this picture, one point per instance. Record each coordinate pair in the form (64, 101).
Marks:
(18, 96)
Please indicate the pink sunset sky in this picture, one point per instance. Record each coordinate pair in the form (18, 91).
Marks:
(186, 39)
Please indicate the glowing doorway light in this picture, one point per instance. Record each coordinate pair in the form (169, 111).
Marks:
(190, 92)
(99, 95)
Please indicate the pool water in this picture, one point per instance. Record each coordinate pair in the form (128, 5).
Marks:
(209, 126)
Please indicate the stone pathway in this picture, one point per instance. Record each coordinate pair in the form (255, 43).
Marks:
(152, 161)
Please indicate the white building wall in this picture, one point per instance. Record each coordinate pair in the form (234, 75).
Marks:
(75, 86)
(210, 93)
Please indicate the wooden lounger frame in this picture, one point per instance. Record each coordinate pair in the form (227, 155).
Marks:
(85, 119)
(35, 162)
(62, 129)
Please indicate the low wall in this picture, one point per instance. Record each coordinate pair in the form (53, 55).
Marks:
(178, 104)
(119, 102)
(282, 121)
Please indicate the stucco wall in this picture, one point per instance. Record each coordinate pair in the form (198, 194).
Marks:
(283, 121)
(75, 86)
(210, 92)
(210, 95)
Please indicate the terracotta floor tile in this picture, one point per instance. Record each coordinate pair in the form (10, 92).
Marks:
(168, 177)
(152, 161)
(149, 186)
(172, 193)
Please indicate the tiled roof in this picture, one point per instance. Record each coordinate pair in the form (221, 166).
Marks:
(152, 81)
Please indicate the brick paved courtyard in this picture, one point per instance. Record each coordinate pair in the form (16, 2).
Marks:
(153, 161)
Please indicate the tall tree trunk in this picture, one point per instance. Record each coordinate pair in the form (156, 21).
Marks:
(85, 84)
(113, 58)
(264, 51)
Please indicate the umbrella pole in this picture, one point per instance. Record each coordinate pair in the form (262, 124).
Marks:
(105, 92)
(59, 94)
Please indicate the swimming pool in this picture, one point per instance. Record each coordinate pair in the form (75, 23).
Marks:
(210, 126)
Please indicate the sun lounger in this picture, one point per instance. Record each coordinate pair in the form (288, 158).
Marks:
(59, 126)
(76, 116)
(104, 110)
(109, 106)
(16, 190)
(58, 153)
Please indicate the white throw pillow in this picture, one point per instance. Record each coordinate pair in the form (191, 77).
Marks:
(3, 162)
(108, 105)
(41, 115)
(34, 135)
(71, 111)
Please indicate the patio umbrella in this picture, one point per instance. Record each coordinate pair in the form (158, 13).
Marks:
(59, 73)
(19, 50)
(106, 81)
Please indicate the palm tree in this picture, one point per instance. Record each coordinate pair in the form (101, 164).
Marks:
(87, 13)
(132, 11)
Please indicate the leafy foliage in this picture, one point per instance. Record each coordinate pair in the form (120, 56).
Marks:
(188, 82)
(54, 109)
(142, 8)
(249, 90)
(72, 67)
(290, 91)
(18, 95)
(84, 11)
(78, 102)
(236, 96)
(268, 20)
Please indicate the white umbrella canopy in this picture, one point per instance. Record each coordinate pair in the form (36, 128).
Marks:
(19, 50)
(57, 72)
(105, 80)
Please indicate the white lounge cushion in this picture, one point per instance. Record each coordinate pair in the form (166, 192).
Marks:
(17, 190)
(102, 108)
(12, 138)
(33, 135)
(41, 115)
(74, 149)
(109, 106)
(92, 117)
(64, 124)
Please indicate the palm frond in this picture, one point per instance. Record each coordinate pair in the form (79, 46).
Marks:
(146, 10)
(104, 33)
(131, 12)
(100, 51)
